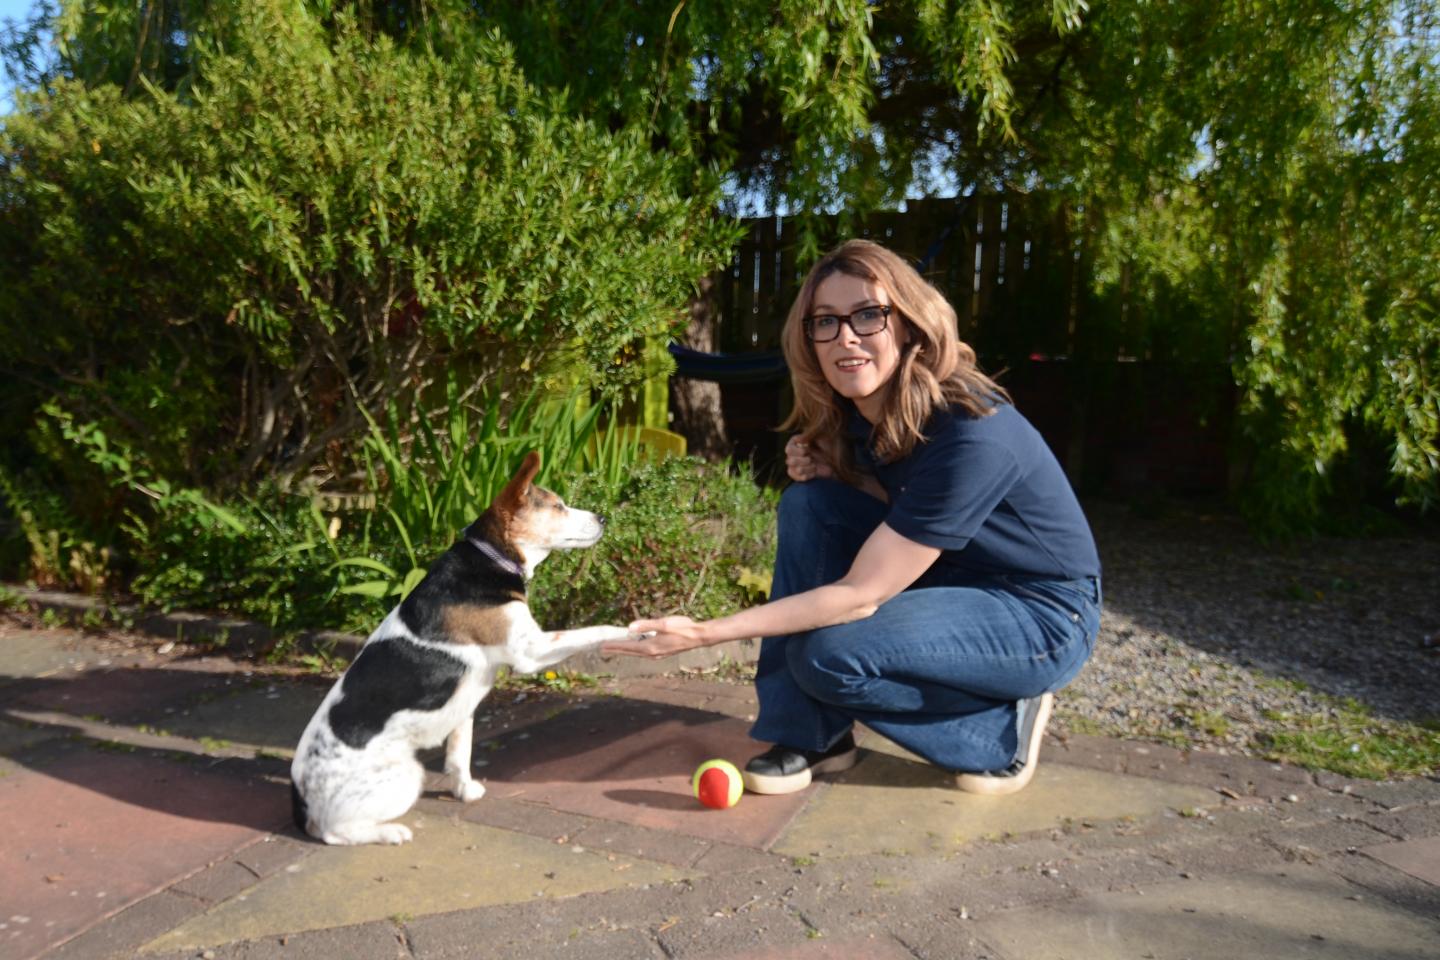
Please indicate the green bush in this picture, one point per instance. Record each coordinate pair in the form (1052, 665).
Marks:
(277, 556)
(39, 535)
(429, 484)
(231, 276)
(264, 556)
(681, 536)
(271, 565)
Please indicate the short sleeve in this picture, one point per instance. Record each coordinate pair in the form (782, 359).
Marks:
(956, 483)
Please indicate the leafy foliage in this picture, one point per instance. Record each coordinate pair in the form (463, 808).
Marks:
(681, 536)
(313, 222)
(434, 484)
(257, 557)
(272, 565)
(1256, 180)
(295, 560)
(49, 531)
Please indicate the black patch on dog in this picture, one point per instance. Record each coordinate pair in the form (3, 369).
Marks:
(462, 575)
(390, 676)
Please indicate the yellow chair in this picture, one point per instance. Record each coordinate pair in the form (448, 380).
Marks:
(655, 444)
(661, 443)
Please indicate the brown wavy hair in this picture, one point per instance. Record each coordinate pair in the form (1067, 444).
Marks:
(937, 369)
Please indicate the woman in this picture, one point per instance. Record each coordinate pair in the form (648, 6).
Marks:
(935, 577)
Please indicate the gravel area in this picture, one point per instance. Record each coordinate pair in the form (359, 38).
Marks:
(1210, 638)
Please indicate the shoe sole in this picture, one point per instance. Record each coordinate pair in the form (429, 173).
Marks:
(795, 782)
(992, 786)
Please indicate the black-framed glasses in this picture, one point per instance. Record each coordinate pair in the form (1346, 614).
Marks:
(866, 322)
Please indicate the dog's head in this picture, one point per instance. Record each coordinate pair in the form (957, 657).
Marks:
(532, 521)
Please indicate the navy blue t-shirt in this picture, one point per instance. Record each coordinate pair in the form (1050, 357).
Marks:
(989, 493)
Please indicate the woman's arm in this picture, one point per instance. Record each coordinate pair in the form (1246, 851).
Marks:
(886, 564)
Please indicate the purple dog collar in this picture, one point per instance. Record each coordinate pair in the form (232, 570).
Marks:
(502, 561)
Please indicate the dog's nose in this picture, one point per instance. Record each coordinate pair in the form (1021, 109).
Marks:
(600, 519)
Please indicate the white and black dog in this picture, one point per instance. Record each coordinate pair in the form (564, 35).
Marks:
(421, 674)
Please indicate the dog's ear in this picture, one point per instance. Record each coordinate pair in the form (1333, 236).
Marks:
(529, 468)
(514, 493)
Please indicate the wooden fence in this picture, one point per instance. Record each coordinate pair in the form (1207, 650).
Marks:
(1009, 269)
(1079, 364)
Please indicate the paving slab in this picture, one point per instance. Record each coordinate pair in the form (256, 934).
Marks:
(732, 699)
(890, 803)
(1419, 858)
(1410, 824)
(270, 716)
(122, 934)
(450, 865)
(545, 927)
(122, 694)
(16, 734)
(1296, 912)
(582, 944)
(46, 653)
(90, 831)
(382, 940)
(1384, 881)
(868, 948)
(590, 845)
(631, 761)
(1394, 795)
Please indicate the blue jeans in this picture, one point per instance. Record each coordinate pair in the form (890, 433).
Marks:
(937, 669)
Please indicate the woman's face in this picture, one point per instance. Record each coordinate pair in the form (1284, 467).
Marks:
(857, 367)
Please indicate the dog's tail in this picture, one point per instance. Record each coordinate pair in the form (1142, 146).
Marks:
(298, 810)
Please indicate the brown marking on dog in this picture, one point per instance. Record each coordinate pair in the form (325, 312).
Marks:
(522, 512)
(494, 527)
(478, 626)
(512, 499)
(540, 516)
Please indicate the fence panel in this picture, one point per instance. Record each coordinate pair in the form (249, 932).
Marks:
(1008, 268)
(1018, 277)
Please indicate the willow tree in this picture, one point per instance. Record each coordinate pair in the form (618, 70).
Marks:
(1258, 174)
(1268, 165)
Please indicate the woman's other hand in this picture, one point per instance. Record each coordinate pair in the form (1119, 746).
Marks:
(803, 463)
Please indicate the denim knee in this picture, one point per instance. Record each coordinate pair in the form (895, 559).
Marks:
(810, 503)
(820, 673)
(820, 527)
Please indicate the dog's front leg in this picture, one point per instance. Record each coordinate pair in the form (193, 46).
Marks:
(546, 648)
(457, 763)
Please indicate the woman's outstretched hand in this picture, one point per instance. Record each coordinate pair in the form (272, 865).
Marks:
(662, 637)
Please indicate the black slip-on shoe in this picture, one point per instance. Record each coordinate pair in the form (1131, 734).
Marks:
(782, 769)
(1034, 714)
